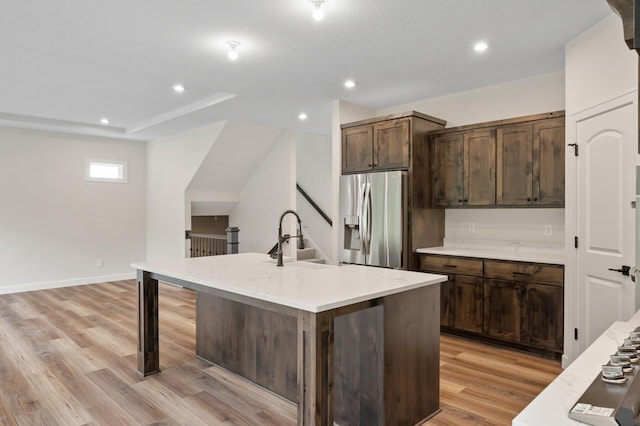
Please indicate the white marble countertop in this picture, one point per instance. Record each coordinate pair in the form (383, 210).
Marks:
(552, 405)
(502, 250)
(303, 285)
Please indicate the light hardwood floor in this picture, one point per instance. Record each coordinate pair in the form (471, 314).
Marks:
(68, 356)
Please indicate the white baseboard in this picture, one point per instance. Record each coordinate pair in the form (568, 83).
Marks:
(20, 288)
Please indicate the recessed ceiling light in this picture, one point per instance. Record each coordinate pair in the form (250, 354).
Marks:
(318, 13)
(104, 121)
(349, 84)
(233, 49)
(178, 88)
(302, 116)
(480, 46)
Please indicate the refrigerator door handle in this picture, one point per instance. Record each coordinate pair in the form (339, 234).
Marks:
(361, 216)
(366, 220)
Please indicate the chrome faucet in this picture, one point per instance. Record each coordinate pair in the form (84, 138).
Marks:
(283, 238)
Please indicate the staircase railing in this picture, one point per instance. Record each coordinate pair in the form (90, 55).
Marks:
(208, 245)
(314, 205)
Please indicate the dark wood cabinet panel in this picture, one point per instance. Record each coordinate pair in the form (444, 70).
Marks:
(514, 158)
(461, 295)
(385, 145)
(464, 169)
(446, 298)
(391, 144)
(467, 303)
(543, 316)
(502, 313)
(480, 167)
(508, 163)
(548, 162)
(448, 170)
(518, 303)
(451, 265)
(525, 272)
(357, 149)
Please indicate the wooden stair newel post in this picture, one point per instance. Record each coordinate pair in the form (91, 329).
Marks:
(232, 239)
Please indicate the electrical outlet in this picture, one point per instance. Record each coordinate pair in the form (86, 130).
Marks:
(100, 263)
(548, 230)
(472, 227)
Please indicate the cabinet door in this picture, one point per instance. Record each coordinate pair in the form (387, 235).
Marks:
(446, 290)
(357, 149)
(467, 303)
(448, 170)
(548, 162)
(514, 158)
(543, 321)
(480, 167)
(502, 314)
(391, 142)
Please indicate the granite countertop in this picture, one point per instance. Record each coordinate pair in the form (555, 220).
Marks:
(552, 405)
(503, 250)
(308, 286)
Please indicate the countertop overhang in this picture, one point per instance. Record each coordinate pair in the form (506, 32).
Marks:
(303, 285)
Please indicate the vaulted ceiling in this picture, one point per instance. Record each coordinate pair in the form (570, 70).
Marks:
(66, 64)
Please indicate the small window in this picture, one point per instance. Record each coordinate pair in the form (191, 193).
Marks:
(106, 171)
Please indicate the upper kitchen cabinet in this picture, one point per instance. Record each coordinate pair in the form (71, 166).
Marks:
(517, 162)
(384, 143)
(515, 165)
(530, 159)
(464, 168)
(548, 162)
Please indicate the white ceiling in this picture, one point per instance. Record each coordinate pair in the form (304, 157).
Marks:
(67, 63)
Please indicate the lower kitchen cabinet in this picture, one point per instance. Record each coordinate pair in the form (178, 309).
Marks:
(502, 310)
(520, 304)
(461, 295)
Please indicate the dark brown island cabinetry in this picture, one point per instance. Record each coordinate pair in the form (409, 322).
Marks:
(384, 143)
(517, 162)
(517, 304)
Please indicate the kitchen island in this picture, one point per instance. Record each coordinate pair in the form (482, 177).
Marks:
(394, 314)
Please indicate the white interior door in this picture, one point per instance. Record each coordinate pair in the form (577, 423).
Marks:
(608, 142)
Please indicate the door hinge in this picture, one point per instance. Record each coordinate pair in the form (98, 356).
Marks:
(575, 334)
(575, 242)
(575, 148)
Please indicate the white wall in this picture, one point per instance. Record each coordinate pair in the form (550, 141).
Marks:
(172, 163)
(268, 192)
(506, 225)
(598, 67)
(543, 93)
(313, 170)
(55, 226)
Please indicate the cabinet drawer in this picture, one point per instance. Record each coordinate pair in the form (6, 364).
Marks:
(522, 271)
(451, 265)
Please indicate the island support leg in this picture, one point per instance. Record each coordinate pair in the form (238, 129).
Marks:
(315, 369)
(148, 329)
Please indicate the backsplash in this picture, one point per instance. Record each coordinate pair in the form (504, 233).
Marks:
(517, 225)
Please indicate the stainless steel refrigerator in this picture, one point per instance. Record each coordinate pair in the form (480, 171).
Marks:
(373, 219)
